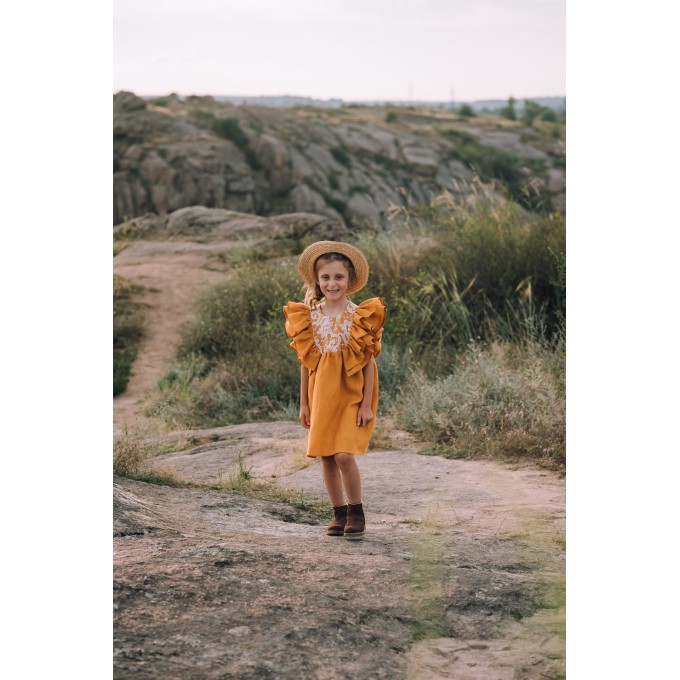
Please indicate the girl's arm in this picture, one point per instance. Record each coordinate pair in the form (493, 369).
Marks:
(304, 404)
(365, 414)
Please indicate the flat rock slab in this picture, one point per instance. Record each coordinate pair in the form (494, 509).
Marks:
(461, 573)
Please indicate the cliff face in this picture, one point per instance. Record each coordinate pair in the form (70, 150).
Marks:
(350, 164)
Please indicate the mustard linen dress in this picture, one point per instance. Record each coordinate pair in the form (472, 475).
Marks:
(335, 350)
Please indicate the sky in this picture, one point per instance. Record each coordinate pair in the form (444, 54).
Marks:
(423, 50)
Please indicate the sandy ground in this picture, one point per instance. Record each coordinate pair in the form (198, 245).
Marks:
(461, 574)
(173, 278)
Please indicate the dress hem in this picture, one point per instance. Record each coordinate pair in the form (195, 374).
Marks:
(327, 455)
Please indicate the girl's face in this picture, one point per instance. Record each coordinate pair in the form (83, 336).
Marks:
(333, 278)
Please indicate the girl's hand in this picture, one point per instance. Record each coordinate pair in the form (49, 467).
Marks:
(304, 416)
(364, 416)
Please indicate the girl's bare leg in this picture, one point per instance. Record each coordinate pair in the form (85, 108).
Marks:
(351, 478)
(333, 480)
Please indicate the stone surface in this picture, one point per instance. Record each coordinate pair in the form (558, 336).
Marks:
(168, 156)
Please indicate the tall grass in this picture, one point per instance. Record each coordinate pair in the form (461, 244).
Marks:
(475, 293)
(521, 177)
(128, 329)
(453, 273)
(503, 401)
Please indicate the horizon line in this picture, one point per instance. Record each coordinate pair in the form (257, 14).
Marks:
(348, 99)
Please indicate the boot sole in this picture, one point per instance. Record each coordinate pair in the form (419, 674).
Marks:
(335, 533)
(355, 537)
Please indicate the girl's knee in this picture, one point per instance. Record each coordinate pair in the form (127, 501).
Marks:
(343, 459)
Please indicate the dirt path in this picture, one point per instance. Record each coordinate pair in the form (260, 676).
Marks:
(461, 574)
(173, 276)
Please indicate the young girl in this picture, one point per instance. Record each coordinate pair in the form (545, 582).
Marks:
(336, 342)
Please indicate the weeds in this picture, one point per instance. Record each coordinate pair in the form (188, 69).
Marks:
(504, 402)
(132, 449)
(244, 474)
(128, 329)
(515, 173)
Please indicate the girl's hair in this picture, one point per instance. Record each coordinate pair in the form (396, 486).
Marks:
(313, 295)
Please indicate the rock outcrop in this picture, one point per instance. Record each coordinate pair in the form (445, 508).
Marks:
(198, 224)
(349, 164)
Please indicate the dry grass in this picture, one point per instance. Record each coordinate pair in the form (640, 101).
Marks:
(132, 448)
(504, 401)
(134, 451)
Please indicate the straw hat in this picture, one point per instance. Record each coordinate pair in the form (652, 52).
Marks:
(312, 253)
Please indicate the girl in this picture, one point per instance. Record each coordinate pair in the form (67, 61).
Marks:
(336, 342)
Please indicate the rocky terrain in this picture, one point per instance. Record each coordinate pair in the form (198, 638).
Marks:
(349, 164)
(461, 574)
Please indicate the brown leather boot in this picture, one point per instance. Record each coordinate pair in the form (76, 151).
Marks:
(337, 525)
(356, 523)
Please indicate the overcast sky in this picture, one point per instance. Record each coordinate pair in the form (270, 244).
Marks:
(349, 49)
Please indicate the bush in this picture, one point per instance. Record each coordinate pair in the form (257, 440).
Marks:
(340, 154)
(515, 173)
(532, 110)
(452, 273)
(508, 111)
(230, 128)
(500, 402)
(467, 111)
(128, 330)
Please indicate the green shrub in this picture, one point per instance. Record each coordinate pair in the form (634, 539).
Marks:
(234, 362)
(128, 330)
(230, 128)
(234, 316)
(452, 273)
(391, 117)
(467, 111)
(340, 154)
(508, 111)
(515, 173)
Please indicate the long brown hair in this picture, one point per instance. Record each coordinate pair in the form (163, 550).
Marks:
(313, 294)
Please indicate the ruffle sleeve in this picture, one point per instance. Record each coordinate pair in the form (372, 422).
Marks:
(299, 327)
(365, 336)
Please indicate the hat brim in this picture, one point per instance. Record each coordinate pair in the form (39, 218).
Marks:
(310, 255)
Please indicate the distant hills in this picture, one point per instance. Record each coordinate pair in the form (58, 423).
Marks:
(482, 105)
